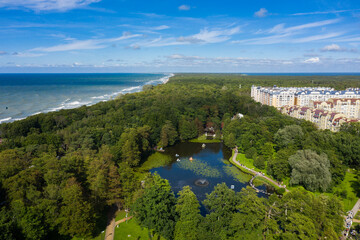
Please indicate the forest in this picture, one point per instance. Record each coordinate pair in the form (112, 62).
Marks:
(61, 171)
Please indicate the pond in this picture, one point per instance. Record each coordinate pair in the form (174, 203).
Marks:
(209, 167)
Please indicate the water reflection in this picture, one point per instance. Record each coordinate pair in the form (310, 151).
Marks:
(207, 161)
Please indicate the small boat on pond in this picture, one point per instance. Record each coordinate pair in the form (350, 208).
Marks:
(203, 145)
(176, 155)
(178, 160)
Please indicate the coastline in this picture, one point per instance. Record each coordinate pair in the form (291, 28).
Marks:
(68, 104)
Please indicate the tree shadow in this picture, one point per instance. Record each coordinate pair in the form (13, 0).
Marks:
(356, 185)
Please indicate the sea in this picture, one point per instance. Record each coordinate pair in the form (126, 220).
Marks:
(23, 95)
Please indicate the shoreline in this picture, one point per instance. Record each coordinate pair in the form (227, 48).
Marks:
(64, 105)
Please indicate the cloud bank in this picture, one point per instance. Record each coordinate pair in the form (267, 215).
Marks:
(46, 5)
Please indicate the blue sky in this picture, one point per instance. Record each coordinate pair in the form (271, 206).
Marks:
(179, 36)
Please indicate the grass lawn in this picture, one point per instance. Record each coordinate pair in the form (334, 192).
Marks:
(357, 216)
(346, 191)
(132, 231)
(202, 139)
(101, 236)
(249, 163)
(120, 215)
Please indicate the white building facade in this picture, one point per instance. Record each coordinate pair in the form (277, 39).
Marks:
(298, 96)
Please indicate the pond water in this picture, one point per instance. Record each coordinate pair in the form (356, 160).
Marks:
(208, 168)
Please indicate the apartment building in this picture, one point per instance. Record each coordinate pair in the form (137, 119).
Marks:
(301, 96)
(350, 107)
(323, 119)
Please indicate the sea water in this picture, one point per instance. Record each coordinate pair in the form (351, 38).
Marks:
(23, 95)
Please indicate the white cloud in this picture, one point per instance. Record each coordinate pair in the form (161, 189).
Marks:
(27, 54)
(316, 37)
(281, 34)
(312, 60)
(324, 12)
(184, 7)
(205, 36)
(162, 27)
(84, 44)
(193, 61)
(336, 48)
(331, 48)
(214, 36)
(263, 12)
(46, 5)
(280, 28)
(182, 57)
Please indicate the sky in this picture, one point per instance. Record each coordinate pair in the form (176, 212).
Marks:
(179, 36)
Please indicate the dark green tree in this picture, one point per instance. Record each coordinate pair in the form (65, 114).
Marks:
(187, 129)
(155, 209)
(76, 215)
(289, 135)
(279, 166)
(259, 162)
(248, 222)
(251, 153)
(221, 203)
(168, 135)
(7, 224)
(188, 210)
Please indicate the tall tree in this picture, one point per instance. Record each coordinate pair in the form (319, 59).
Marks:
(310, 169)
(289, 135)
(249, 221)
(133, 143)
(187, 129)
(76, 215)
(168, 135)
(155, 209)
(188, 210)
(221, 203)
(279, 166)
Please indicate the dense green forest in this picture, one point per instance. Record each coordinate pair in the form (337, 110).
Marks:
(61, 171)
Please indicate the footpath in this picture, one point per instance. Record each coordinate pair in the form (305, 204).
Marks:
(256, 173)
(349, 219)
(110, 229)
(109, 232)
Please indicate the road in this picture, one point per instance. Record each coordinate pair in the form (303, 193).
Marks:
(255, 172)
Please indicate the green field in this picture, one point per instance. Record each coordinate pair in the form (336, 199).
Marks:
(101, 236)
(249, 163)
(202, 139)
(132, 231)
(120, 215)
(345, 190)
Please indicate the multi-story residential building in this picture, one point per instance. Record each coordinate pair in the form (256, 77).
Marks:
(301, 96)
(350, 107)
(323, 119)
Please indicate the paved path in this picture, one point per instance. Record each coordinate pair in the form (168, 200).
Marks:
(109, 233)
(349, 219)
(255, 172)
(123, 220)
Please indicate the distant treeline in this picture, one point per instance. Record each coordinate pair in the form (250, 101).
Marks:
(60, 171)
